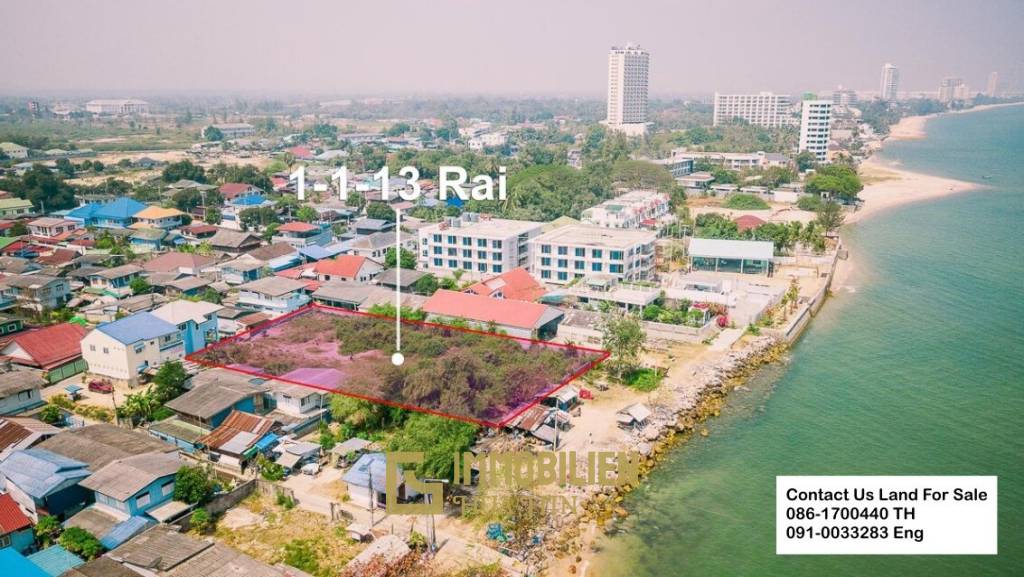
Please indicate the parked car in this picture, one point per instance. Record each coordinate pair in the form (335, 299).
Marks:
(101, 387)
(311, 468)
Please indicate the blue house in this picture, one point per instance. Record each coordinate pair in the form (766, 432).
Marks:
(15, 526)
(156, 238)
(117, 213)
(14, 563)
(132, 486)
(85, 214)
(197, 322)
(43, 482)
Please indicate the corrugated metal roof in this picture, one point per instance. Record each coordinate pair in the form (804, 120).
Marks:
(55, 560)
(125, 530)
(732, 249)
(125, 477)
(37, 472)
(15, 563)
(138, 327)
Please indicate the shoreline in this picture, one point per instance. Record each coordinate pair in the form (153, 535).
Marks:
(701, 397)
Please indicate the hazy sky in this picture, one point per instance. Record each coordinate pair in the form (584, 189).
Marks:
(121, 47)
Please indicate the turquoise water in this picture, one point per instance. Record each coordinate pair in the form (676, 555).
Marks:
(920, 371)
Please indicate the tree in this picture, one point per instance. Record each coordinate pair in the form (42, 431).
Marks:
(169, 381)
(46, 190)
(211, 295)
(48, 530)
(840, 180)
(380, 210)
(805, 161)
(19, 228)
(408, 259)
(200, 521)
(307, 214)
(624, 338)
(356, 200)
(80, 542)
(212, 216)
(139, 406)
(213, 134)
(745, 202)
(830, 216)
(438, 439)
(193, 484)
(256, 217)
(140, 286)
(65, 167)
(425, 285)
(183, 169)
(51, 415)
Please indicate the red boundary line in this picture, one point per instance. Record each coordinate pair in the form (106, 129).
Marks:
(538, 398)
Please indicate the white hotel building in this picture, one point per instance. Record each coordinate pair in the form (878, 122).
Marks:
(117, 107)
(634, 209)
(627, 89)
(477, 244)
(577, 251)
(815, 127)
(762, 109)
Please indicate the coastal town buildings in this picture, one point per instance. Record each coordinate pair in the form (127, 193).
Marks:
(890, 84)
(815, 127)
(479, 245)
(117, 107)
(233, 130)
(952, 89)
(576, 251)
(762, 109)
(633, 209)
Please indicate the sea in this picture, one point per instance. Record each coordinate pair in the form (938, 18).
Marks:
(917, 369)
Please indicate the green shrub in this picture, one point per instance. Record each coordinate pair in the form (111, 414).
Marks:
(80, 542)
(809, 202)
(200, 521)
(745, 202)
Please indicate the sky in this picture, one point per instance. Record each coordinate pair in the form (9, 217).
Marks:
(122, 48)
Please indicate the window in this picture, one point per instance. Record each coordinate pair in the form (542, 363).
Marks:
(466, 241)
(562, 263)
(481, 242)
(466, 253)
(142, 500)
(453, 251)
(545, 261)
(545, 249)
(563, 250)
(616, 255)
(138, 348)
(24, 395)
(482, 267)
(496, 256)
(581, 252)
(596, 253)
(615, 268)
(579, 265)
(452, 263)
(495, 244)
(106, 351)
(496, 268)
(562, 275)
(438, 262)
(545, 274)
(437, 238)
(467, 265)
(451, 239)
(482, 255)
(92, 348)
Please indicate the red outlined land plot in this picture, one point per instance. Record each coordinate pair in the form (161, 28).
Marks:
(470, 375)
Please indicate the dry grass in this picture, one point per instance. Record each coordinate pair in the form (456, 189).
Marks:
(278, 526)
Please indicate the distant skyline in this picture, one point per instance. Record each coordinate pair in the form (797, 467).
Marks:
(122, 48)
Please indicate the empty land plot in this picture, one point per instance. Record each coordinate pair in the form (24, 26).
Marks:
(470, 375)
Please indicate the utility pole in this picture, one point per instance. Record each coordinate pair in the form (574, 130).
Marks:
(431, 529)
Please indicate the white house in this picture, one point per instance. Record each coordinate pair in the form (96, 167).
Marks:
(124, 349)
(273, 295)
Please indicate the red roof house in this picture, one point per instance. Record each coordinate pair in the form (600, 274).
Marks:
(47, 347)
(514, 317)
(12, 519)
(301, 153)
(231, 190)
(347, 268)
(516, 284)
(748, 222)
(297, 226)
